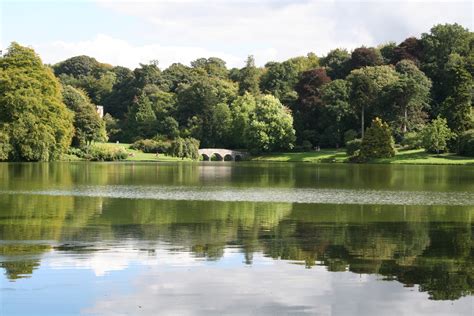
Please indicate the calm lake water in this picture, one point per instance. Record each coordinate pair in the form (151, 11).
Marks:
(235, 238)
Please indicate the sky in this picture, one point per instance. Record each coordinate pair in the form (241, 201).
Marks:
(126, 33)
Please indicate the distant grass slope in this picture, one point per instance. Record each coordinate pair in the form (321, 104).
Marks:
(416, 156)
(134, 155)
(137, 155)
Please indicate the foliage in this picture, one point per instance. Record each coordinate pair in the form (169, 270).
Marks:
(387, 51)
(213, 67)
(5, 146)
(466, 143)
(308, 109)
(306, 145)
(279, 79)
(366, 89)
(184, 148)
(410, 49)
(436, 135)
(117, 102)
(412, 140)
(242, 111)
(442, 41)
(406, 85)
(151, 146)
(338, 113)
(457, 107)
(363, 57)
(102, 152)
(353, 146)
(349, 135)
(337, 63)
(377, 141)
(178, 74)
(200, 104)
(249, 78)
(404, 102)
(271, 126)
(141, 118)
(32, 114)
(112, 127)
(88, 126)
(87, 73)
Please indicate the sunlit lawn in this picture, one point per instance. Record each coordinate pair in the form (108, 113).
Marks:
(137, 155)
(415, 156)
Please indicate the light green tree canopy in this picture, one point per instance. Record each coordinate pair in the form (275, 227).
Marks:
(32, 114)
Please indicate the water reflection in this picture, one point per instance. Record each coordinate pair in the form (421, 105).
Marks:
(429, 246)
(233, 255)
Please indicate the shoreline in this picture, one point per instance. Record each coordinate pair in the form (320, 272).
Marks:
(402, 157)
(324, 156)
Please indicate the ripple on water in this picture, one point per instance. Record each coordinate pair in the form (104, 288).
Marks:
(288, 195)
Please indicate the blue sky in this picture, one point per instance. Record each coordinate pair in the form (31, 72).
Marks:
(127, 33)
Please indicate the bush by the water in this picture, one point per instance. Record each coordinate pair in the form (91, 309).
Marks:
(435, 136)
(466, 143)
(306, 145)
(377, 142)
(5, 146)
(353, 146)
(99, 153)
(151, 146)
(349, 135)
(412, 140)
(184, 148)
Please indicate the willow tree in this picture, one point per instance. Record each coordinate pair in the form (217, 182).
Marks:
(32, 114)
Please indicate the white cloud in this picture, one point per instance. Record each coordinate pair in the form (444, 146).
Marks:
(181, 31)
(120, 52)
(120, 258)
(276, 289)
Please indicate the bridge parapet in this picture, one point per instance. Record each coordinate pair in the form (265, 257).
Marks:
(222, 154)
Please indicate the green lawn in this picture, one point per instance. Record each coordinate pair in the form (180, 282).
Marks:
(416, 156)
(134, 155)
(137, 155)
(325, 155)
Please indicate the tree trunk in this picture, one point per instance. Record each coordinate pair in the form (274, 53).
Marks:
(404, 127)
(362, 121)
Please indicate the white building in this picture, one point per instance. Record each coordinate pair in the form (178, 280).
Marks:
(100, 110)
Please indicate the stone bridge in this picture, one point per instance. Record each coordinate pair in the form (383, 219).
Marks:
(222, 154)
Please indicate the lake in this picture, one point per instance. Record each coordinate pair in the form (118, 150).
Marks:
(217, 238)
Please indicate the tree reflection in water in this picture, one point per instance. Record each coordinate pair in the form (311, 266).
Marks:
(428, 246)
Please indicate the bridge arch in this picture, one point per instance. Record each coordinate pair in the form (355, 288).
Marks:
(220, 154)
(217, 157)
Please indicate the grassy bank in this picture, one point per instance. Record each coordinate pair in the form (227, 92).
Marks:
(134, 155)
(416, 156)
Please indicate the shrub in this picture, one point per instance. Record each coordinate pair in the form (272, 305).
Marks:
(151, 146)
(353, 146)
(5, 146)
(435, 136)
(306, 145)
(184, 148)
(412, 140)
(349, 135)
(377, 142)
(105, 153)
(466, 143)
(76, 152)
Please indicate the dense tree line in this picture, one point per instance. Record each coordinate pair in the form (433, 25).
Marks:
(302, 102)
